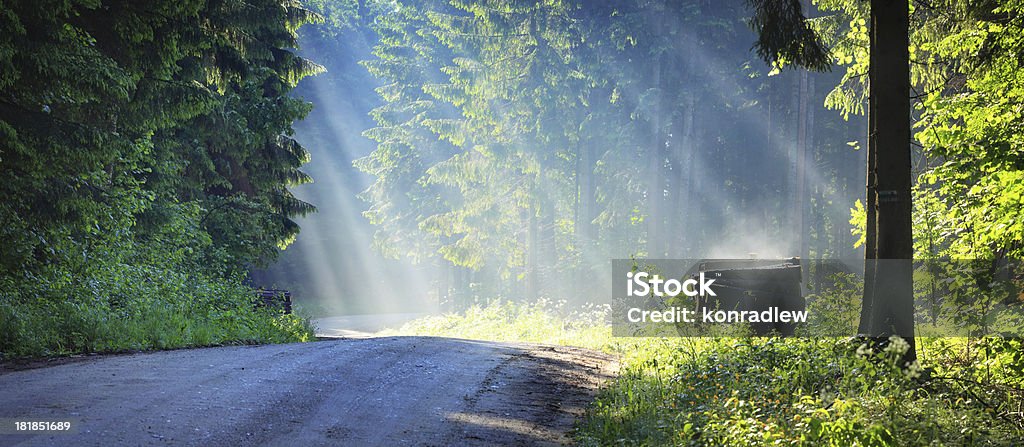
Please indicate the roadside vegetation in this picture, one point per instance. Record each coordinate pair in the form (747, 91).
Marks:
(147, 301)
(771, 391)
(219, 313)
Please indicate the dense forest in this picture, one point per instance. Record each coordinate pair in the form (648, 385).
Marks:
(522, 175)
(512, 148)
(516, 147)
(147, 152)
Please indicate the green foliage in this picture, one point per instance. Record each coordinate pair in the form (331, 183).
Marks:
(146, 150)
(137, 298)
(846, 34)
(433, 58)
(115, 112)
(530, 140)
(967, 83)
(795, 392)
(784, 36)
(837, 308)
(858, 223)
(973, 135)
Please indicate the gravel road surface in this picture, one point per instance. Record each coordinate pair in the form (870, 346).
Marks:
(372, 391)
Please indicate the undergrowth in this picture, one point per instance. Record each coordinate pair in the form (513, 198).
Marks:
(771, 391)
(124, 307)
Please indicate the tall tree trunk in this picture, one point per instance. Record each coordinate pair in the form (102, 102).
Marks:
(682, 204)
(892, 303)
(770, 221)
(657, 151)
(802, 204)
(584, 228)
(461, 288)
(698, 218)
(532, 250)
(870, 205)
(444, 282)
(811, 215)
(547, 262)
(656, 167)
(791, 138)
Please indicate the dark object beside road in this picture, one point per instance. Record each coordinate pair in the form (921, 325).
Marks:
(754, 285)
(274, 299)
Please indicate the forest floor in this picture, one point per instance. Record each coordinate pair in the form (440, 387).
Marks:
(372, 391)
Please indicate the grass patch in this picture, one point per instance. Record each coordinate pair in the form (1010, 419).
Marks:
(544, 321)
(802, 392)
(770, 391)
(137, 309)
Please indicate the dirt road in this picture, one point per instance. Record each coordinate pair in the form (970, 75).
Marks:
(376, 391)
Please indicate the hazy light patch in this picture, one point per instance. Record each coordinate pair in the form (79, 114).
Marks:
(332, 267)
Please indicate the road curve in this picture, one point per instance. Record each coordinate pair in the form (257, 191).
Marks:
(375, 391)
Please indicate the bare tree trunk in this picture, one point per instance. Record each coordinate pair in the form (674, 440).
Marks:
(532, 272)
(584, 228)
(461, 287)
(791, 142)
(802, 203)
(771, 149)
(532, 251)
(547, 262)
(870, 227)
(656, 167)
(683, 169)
(444, 286)
(810, 215)
(698, 219)
(892, 307)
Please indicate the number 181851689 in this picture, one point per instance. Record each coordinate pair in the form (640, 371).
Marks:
(38, 424)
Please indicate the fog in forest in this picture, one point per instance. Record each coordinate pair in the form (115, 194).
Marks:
(696, 151)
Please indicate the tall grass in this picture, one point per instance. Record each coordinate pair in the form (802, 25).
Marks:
(543, 321)
(133, 308)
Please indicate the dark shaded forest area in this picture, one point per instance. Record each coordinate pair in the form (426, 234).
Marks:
(147, 152)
